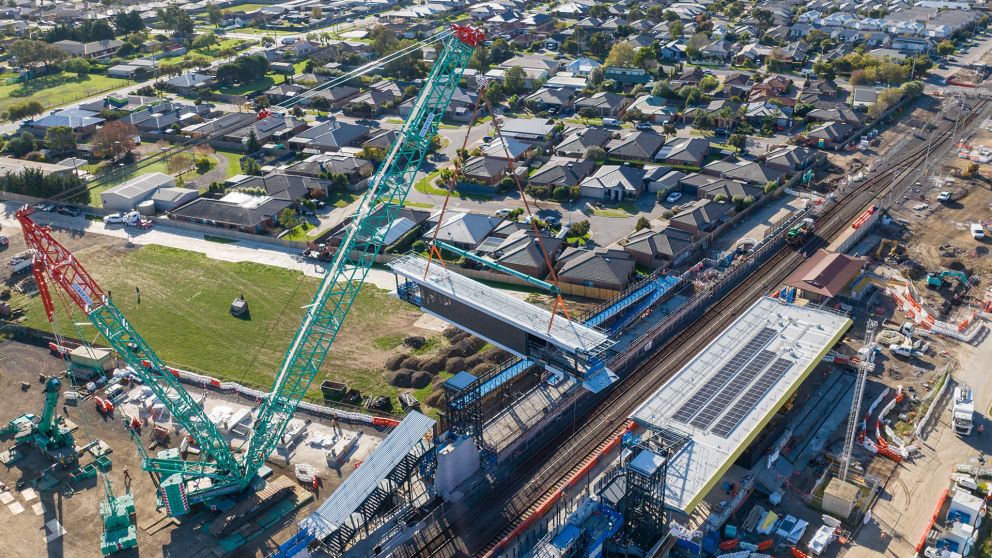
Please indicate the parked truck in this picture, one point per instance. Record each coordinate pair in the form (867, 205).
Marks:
(20, 263)
(963, 417)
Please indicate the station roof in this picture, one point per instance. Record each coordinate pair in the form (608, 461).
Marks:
(730, 390)
(569, 335)
(376, 467)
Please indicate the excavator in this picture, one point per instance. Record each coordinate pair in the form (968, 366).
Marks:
(935, 279)
(217, 470)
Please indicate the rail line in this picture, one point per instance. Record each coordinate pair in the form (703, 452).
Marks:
(543, 476)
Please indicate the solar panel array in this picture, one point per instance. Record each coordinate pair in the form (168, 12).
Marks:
(755, 393)
(734, 387)
(723, 376)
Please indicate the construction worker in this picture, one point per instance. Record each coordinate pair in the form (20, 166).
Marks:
(127, 474)
(981, 428)
(65, 410)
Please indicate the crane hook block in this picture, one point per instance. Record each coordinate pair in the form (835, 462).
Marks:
(472, 36)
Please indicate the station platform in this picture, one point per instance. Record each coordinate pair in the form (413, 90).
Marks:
(526, 412)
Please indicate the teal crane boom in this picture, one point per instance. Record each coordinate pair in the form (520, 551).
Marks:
(362, 242)
(219, 470)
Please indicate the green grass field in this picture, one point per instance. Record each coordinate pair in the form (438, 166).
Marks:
(184, 315)
(233, 162)
(56, 90)
(250, 87)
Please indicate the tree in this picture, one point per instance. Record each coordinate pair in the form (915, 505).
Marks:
(596, 153)
(179, 163)
(675, 29)
(30, 52)
(738, 140)
(824, 70)
(60, 139)
(663, 89)
(167, 69)
(78, 66)
(642, 224)
(945, 48)
(480, 59)
(383, 40)
(514, 80)
(600, 43)
(176, 19)
(374, 155)
(244, 69)
(316, 13)
(21, 145)
(25, 109)
(268, 41)
(599, 10)
(289, 218)
(203, 41)
(214, 14)
(596, 76)
(115, 139)
(764, 18)
(709, 83)
(251, 167)
(580, 228)
(695, 45)
(128, 22)
(621, 56)
(886, 98)
(251, 142)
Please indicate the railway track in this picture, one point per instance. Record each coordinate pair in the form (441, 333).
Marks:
(542, 476)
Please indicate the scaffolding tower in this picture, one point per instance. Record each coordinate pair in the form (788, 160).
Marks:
(646, 476)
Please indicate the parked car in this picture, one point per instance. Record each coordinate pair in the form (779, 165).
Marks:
(46, 207)
(552, 221)
(643, 125)
(673, 197)
(114, 219)
(944, 196)
(487, 139)
(502, 212)
(611, 122)
(68, 210)
(977, 231)
(4, 241)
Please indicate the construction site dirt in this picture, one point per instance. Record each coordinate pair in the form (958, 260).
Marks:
(77, 510)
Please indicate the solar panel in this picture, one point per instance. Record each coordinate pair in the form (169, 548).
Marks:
(755, 393)
(723, 376)
(719, 403)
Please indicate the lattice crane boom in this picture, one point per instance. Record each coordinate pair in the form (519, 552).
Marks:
(65, 270)
(363, 240)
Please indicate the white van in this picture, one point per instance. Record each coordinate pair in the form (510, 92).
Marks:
(977, 231)
(611, 122)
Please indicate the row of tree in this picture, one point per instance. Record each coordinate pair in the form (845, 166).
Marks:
(244, 69)
(124, 23)
(32, 182)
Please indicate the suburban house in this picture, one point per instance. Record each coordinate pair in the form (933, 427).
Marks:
(791, 158)
(684, 151)
(550, 99)
(529, 130)
(830, 135)
(90, 50)
(701, 217)
(614, 183)
(190, 83)
(462, 230)
(326, 164)
(578, 142)
(160, 117)
(237, 210)
(638, 146)
(536, 68)
(659, 248)
(82, 122)
(330, 135)
(487, 171)
(562, 171)
(289, 187)
(225, 122)
(521, 251)
(602, 272)
(602, 104)
(276, 127)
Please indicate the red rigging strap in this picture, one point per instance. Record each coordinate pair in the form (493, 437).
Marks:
(472, 36)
